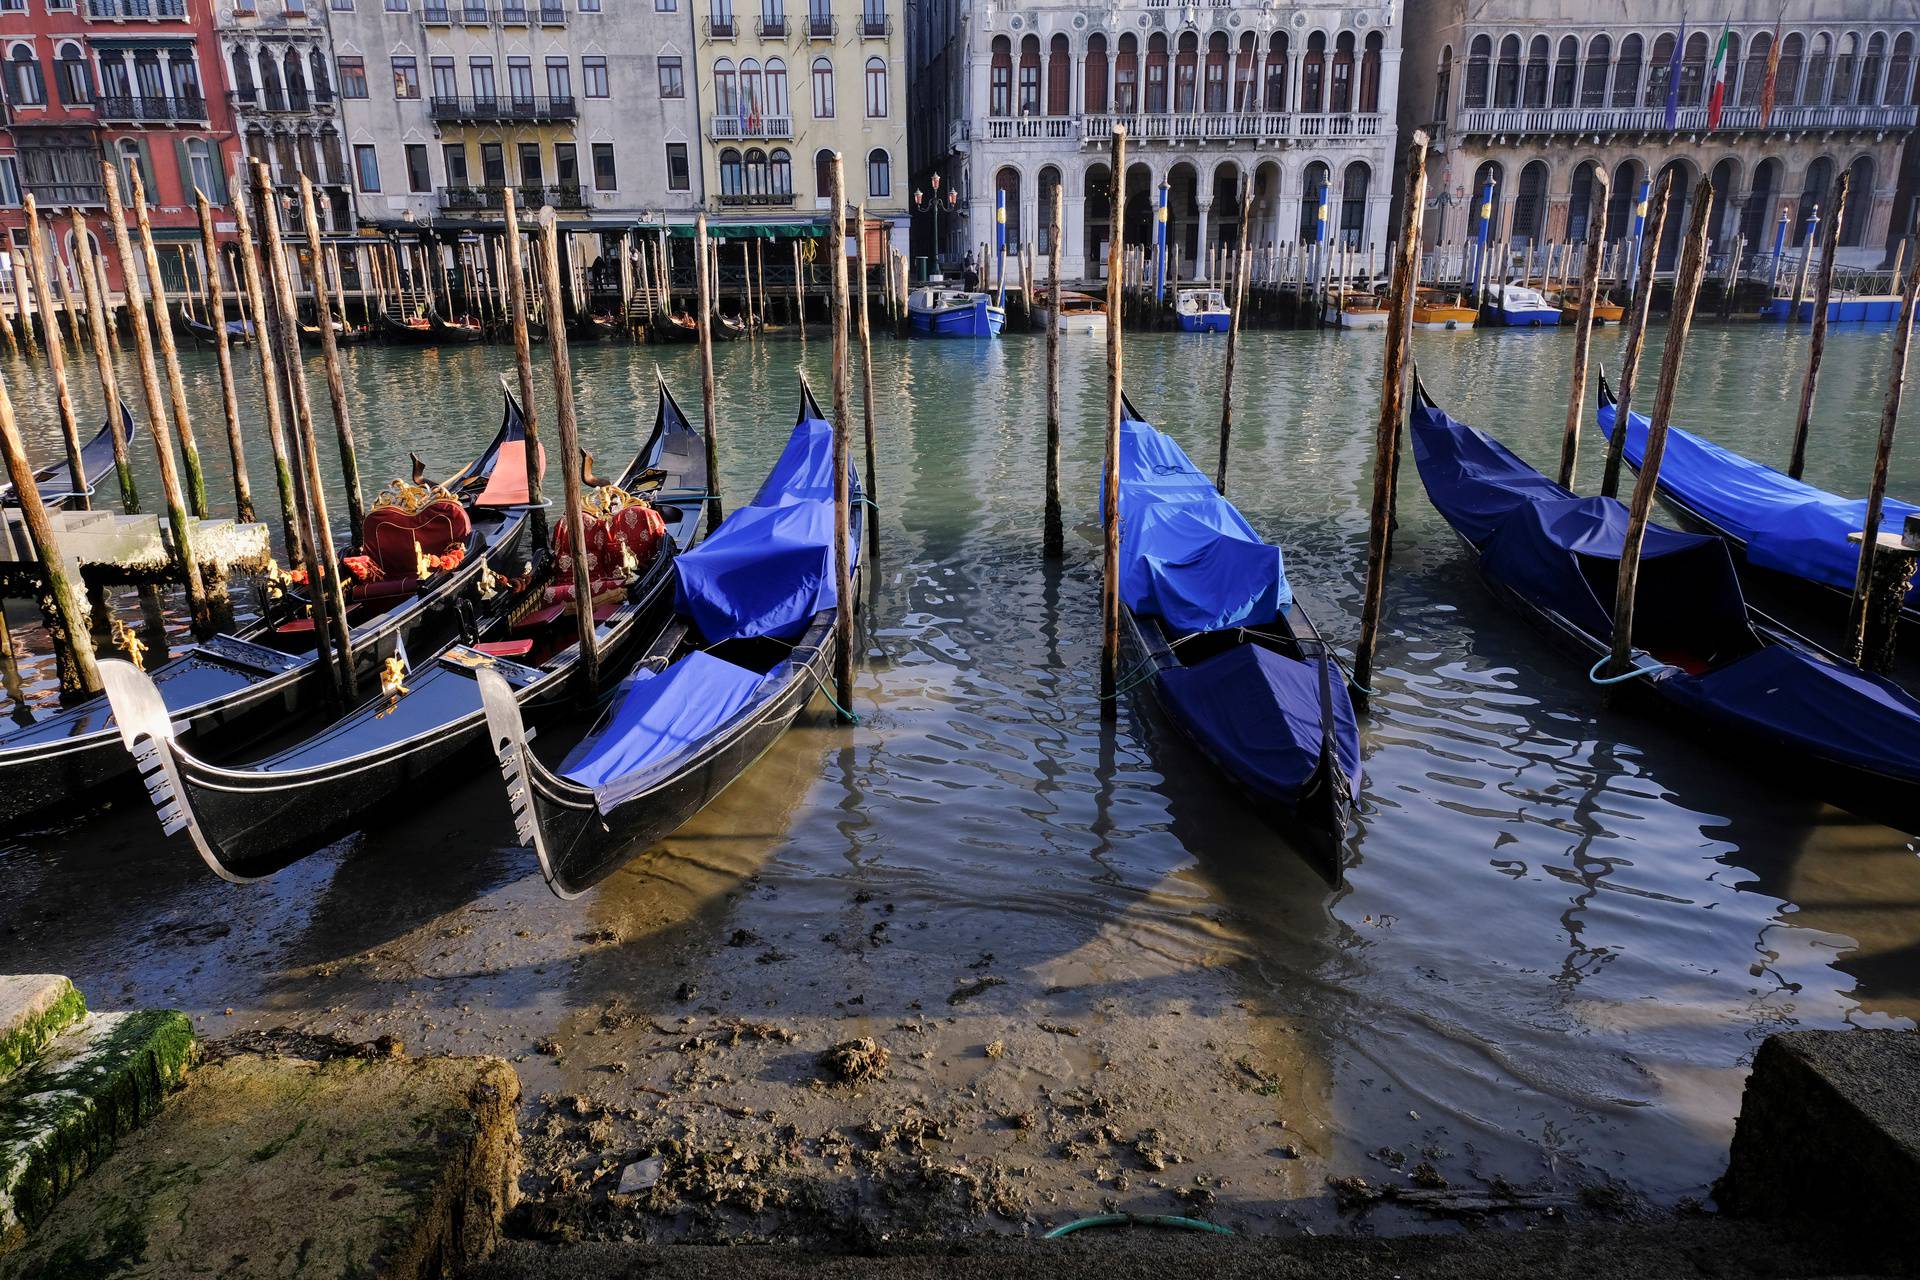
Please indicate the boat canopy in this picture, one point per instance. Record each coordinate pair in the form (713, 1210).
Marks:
(657, 715)
(1787, 525)
(769, 567)
(1264, 714)
(1188, 557)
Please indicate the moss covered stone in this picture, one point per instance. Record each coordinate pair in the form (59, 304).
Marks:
(34, 1009)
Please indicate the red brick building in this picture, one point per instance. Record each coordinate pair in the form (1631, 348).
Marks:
(133, 82)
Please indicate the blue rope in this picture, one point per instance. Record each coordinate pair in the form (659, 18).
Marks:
(1594, 675)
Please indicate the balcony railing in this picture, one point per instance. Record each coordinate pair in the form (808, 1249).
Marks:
(513, 15)
(483, 199)
(61, 194)
(724, 127)
(117, 9)
(722, 28)
(475, 13)
(773, 28)
(822, 26)
(120, 107)
(1271, 126)
(875, 26)
(529, 110)
(757, 199)
(276, 100)
(553, 15)
(1573, 121)
(437, 14)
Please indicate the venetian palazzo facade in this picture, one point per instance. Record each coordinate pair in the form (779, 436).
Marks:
(783, 85)
(134, 82)
(278, 61)
(1537, 97)
(1018, 98)
(578, 104)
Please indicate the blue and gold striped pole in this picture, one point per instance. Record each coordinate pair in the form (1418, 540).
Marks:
(1160, 246)
(1480, 242)
(1639, 232)
(1000, 248)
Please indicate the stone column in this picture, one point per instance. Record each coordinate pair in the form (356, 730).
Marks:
(1200, 241)
(1073, 242)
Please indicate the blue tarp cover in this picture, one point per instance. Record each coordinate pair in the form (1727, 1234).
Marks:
(769, 567)
(1187, 556)
(660, 715)
(1260, 715)
(1786, 524)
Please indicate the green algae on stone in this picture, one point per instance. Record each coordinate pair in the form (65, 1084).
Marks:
(51, 1005)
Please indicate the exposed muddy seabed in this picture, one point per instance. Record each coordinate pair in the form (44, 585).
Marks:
(1097, 977)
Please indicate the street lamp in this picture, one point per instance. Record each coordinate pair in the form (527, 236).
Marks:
(923, 203)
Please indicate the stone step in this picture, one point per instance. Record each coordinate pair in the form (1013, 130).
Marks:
(34, 1009)
(102, 1077)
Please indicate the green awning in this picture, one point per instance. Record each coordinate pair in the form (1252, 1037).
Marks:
(753, 230)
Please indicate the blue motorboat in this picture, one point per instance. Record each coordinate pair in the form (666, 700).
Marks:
(1778, 528)
(1228, 651)
(1848, 308)
(1520, 307)
(939, 312)
(1202, 310)
(1769, 698)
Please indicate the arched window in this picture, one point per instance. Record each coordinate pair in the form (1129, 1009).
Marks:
(1313, 199)
(1245, 97)
(1845, 67)
(1869, 91)
(276, 97)
(1853, 229)
(1030, 76)
(1786, 83)
(756, 173)
(1340, 90)
(775, 75)
(1506, 76)
(732, 181)
(1625, 190)
(1313, 73)
(1276, 87)
(780, 174)
(1658, 68)
(1593, 83)
(1534, 87)
(1626, 73)
(1753, 76)
(1214, 100)
(1370, 74)
(1900, 72)
(1733, 74)
(76, 77)
(1479, 61)
(1157, 74)
(823, 175)
(1043, 234)
(726, 89)
(1007, 183)
(876, 88)
(296, 81)
(1817, 189)
(1186, 74)
(1353, 204)
(1059, 77)
(822, 89)
(1580, 204)
(1693, 71)
(317, 72)
(243, 79)
(203, 170)
(1000, 79)
(1530, 205)
(879, 174)
(1096, 74)
(1819, 67)
(1566, 72)
(26, 85)
(1126, 76)
(751, 108)
(1757, 216)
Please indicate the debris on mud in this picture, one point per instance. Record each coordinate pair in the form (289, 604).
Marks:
(968, 991)
(855, 1061)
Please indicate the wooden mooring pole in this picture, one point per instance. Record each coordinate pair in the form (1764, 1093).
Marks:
(1583, 330)
(229, 400)
(59, 596)
(265, 334)
(842, 414)
(709, 392)
(1876, 622)
(330, 361)
(516, 283)
(1686, 290)
(169, 353)
(570, 478)
(1639, 309)
(1822, 296)
(56, 350)
(1110, 470)
(1239, 305)
(866, 381)
(103, 360)
(799, 298)
(1054, 538)
(1393, 383)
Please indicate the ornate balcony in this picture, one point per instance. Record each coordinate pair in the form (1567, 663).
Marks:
(152, 110)
(722, 128)
(120, 10)
(1593, 121)
(486, 199)
(875, 26)
(60, 195)
(821, 26)
(552, 15)
(1239, 126)
(756, 200)
(526, 110)
(773, 28)
(722, 28)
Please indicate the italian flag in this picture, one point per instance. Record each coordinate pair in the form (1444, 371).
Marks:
(1717, 90)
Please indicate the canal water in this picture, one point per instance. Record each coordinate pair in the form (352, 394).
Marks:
(1562, 936)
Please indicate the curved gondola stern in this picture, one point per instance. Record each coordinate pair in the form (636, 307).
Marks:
(809, 407)
(1604, 392)
(150, 735)
(522, 774)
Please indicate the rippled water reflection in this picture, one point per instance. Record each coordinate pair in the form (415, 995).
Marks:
(1565, 929)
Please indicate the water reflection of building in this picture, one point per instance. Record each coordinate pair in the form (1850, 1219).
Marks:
(1535, 97)
(1021, 97)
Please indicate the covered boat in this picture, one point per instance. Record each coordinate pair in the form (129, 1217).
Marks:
(251, 822)
(230, 690)
(1355, 311)
(1202, 310)
(751, 640)
(1520, 307)
(1229, 652)
(1077, 312)
(1781, 530)
(939, 312)
(1768, 697)
(56, 483)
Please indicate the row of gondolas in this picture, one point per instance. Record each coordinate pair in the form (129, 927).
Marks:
(709, 649)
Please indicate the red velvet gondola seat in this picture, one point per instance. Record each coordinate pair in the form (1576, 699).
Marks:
(406, 523)
(623, 535)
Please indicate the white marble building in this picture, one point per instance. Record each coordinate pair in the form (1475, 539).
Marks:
(1018, 97)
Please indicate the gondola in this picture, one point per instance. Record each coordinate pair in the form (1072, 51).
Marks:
(56, 483)
(251, 822)
(238, 331)
(413, 331)
(1786, 536)
(344, 335)
(456, 331)
(230, 690)
(728, 328)
(1769, 698)
(680, 327)
(750, 642)
(586, 327)
(1230, 654)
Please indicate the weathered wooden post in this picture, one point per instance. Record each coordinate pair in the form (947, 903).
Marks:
(170, 354)
(1053, 540)
(710, 414)
(56, 350)
(103, 361)
(330, 360)
(1110, 484)
(516, 282)
(1238, 304)
(570, 478)
(799, 297)
(61, 285)
(866, 378)
(1822, 297)
(1583, 329)
(229, 401)
(900, 322)
(59, 595)
(156, 406)
(1806, 263)
(1393, 383)
(271, 389)
(1638, 309)
(1874, 634)
(842, 414)
(1686, 288)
